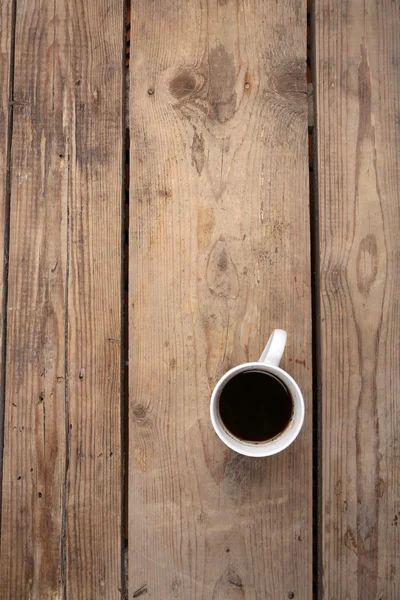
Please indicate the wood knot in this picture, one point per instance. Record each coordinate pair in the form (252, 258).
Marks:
(234, 579)
(205, 228)
(221, 84)
(335, 280)
(182, 85)
(198, 154)
(222, 277)
(290, 78)
(223, 260)
(185, 83)
(176, 584)
(139, 413)
(287, 85)
(165, 193)
(229, 585)
(380, 488)
(367, 264)
(350, 540)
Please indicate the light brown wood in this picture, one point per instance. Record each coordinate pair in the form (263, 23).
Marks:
(93, 526)
(219, 256)
(61, 523)
(34, 436)
(358, 91)
(5, 54)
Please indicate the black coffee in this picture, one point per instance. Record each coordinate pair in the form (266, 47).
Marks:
(255, 406)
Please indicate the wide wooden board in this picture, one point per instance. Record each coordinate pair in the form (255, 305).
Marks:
(358, 91)
(219, 256)
(61, 522)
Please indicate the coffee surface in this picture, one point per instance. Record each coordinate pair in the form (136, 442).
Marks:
(255, 406)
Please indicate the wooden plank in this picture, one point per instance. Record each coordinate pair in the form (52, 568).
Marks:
(219, 256)
(61, 530)
(94, 502)
(358, 91)
(34, 436)
(5, 56)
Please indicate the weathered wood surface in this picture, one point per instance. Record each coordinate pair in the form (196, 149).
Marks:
(94, 501)
(34, 436)
(61, 523)
(5, 58)
(358, 91)
(219, 256)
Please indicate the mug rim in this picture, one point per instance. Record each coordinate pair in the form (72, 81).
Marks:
(269, 447)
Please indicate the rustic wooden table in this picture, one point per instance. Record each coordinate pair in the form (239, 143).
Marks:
(162, 213)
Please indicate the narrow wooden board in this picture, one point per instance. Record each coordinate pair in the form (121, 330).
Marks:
(5, 56)
(358, 91)
(219, 256)
(34, 436)
(61, 493)
(94, 302)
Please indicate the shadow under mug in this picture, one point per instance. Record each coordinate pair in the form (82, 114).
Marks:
(269, 363)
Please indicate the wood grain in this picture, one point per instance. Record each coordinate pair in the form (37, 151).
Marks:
(34, 437)
(358, 87)
(93, 525)
(219, 256)
(61, 493)
(5, 57)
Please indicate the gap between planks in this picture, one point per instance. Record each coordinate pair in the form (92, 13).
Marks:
(124, 308)
(315, 308)
(6, 242)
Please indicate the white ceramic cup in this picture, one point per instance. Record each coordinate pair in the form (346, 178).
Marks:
(269, 362)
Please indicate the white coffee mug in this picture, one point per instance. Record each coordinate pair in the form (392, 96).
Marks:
(269, 362)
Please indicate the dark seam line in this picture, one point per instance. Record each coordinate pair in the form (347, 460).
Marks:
(7, 220)
(124, 306)
(316, 333)
(66, 398)
(123, 363)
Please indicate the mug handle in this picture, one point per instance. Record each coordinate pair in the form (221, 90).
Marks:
(275, 348)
